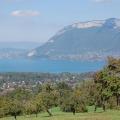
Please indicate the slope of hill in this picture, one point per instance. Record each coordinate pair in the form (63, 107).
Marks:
(83, 41)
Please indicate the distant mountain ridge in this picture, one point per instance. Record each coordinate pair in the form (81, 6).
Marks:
(91, 40)
(83, 41)
(11, 50)
(8, 53)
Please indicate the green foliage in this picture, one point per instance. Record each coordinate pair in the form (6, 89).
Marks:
(71, 100)
(15, 107)
(102, 91)
(109, 80)
(4, 104)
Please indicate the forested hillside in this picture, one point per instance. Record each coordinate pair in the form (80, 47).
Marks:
(101, 91)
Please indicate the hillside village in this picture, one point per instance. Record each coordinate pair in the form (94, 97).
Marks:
(11, 81)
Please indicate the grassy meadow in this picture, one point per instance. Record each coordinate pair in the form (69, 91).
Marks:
(58, 115)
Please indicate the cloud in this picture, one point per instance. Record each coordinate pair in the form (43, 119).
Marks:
(25, 13)
(99, 1)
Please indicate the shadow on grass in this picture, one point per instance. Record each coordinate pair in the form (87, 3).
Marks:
(99, 112)
(52, 115)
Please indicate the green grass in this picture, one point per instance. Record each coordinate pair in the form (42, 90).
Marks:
(58, 115)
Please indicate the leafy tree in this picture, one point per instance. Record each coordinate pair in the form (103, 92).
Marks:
(33, 106)
(4, 104)
(73, 101)
(47, 98)
(46, 101)
(15, 108)
(108, 81)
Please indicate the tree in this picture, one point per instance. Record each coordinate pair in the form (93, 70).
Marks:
(46, 101)
(33, 106)
(47, 98)
(114, 72)
(15, 108)
(108, 80)
(73, 101)
(4, 105)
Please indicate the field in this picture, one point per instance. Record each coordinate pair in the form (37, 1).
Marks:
(58, 115)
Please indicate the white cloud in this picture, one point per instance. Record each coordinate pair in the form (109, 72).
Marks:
(24, 13)
(102, 1)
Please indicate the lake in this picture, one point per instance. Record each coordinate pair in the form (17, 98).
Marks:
(45, 65)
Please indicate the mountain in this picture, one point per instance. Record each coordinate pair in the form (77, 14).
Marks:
(83, 41)
(11, 50)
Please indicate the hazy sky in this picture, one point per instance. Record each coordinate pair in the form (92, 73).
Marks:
(38, 20)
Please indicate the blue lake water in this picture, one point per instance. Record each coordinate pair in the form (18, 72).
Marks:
(44, 65)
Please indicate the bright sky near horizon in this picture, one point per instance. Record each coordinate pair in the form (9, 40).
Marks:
(38, 20)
